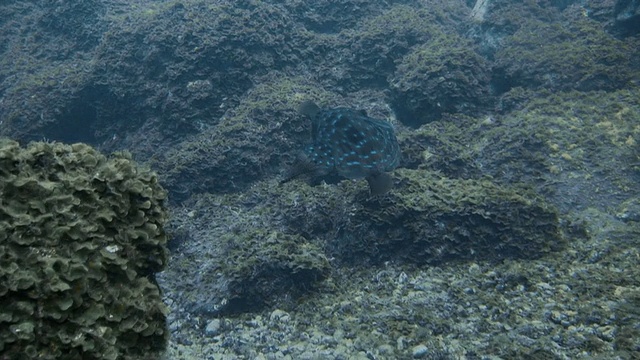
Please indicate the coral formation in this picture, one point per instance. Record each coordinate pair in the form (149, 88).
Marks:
(81, 237)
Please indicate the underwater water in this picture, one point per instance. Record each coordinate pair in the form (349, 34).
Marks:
(465, 185)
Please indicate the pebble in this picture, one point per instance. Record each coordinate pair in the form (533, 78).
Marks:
(385, 349)
(474, 269)
(338, 334)
(212, 328)
(400, 343)
(174, 326)
(280, 316)
(419, 351)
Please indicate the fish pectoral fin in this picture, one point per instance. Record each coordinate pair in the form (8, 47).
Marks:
(379, 183)
(300, 167)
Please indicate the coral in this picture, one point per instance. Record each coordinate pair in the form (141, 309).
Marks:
(81, 237)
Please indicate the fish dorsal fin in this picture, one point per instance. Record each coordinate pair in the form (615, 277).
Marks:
(379, 183)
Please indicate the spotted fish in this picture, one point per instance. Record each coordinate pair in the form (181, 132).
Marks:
(351, 144)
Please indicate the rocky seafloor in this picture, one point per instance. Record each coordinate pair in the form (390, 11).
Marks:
(581, 303)
(512, 230)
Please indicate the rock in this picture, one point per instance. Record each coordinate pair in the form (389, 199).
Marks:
(278, 315)
(213, 327)
(419, 351)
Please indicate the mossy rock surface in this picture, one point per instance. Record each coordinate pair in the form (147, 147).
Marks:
(240, 259)
(247, 145)
(426, 219)
(443, 75)
(81, 237)
(574, 53)
(269, 267)
(432, 219)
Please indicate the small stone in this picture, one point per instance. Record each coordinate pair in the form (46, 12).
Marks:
(212, 328)
(346, 306)
(385, 349)
(280, 316)
(174, 326)
(474, 269)
(307, 355)
(419, 351)
(469, 291)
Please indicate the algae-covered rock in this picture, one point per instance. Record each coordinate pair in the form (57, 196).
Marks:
(431, 219)
(366, 54)
(249, 142)
(264, 266)
(427, 219)
(274, 244)
(574, 53)
(81, 237)
(240, 260)
(444, 75)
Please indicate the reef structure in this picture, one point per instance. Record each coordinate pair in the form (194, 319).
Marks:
(81, 238)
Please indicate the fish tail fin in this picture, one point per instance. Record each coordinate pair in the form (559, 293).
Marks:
(379, 183)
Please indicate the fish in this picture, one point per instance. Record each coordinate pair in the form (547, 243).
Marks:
(351, 144)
